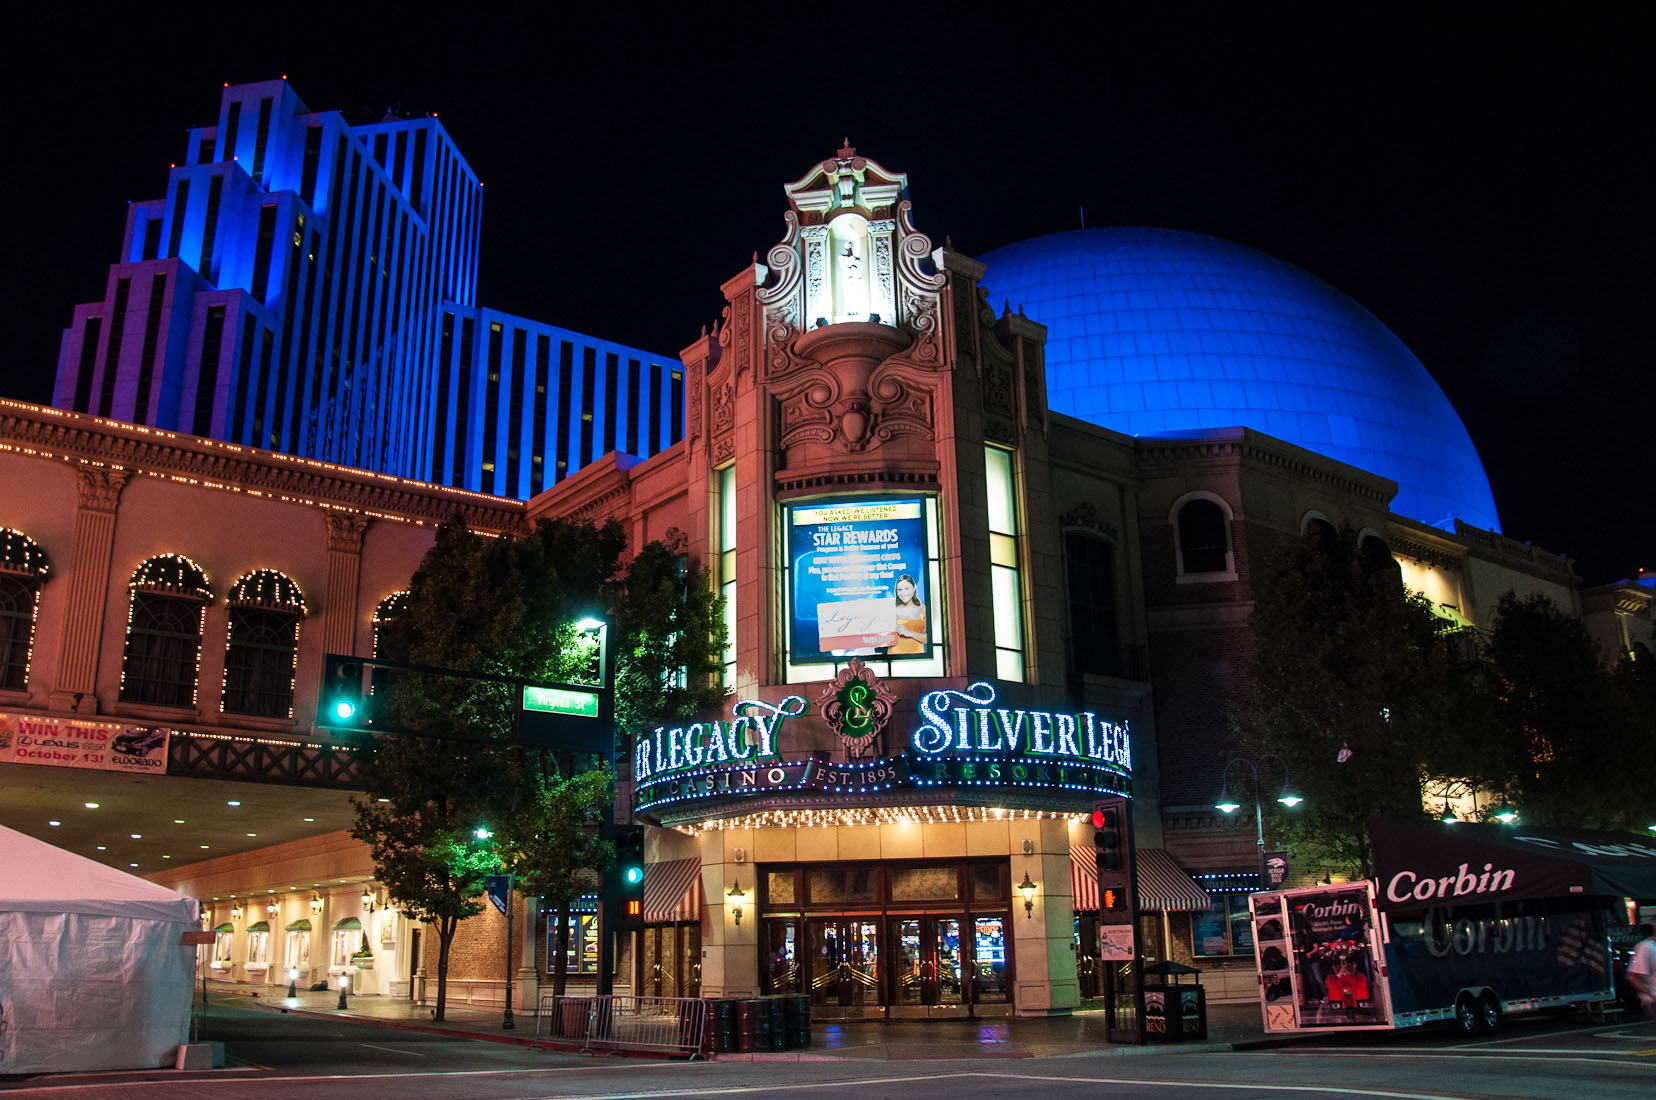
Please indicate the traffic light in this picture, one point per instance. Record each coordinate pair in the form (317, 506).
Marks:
(1109, 819)
(1112, 899)
(340, 703)
(629, 877)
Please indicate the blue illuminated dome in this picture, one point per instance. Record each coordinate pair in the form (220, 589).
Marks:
(1157, 331)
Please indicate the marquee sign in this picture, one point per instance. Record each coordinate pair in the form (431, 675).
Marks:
(965, 742)
(969, 722)
(749, 736)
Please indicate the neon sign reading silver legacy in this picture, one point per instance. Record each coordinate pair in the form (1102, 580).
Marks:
(969, 721)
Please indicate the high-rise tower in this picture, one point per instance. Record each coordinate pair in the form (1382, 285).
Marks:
(292, 291)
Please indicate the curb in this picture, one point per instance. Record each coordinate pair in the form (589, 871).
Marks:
(424, 1029)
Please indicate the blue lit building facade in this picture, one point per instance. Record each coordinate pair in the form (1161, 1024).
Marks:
(1160, 332)
(519, 405)
(310, 287)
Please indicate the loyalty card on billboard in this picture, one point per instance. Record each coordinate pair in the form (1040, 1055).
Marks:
(859, 578)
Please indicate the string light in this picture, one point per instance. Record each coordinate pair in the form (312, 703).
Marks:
(827, 817)
(22, 557)
(791, 776)
(263, 590)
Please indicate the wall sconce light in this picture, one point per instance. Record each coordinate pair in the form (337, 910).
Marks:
(235, 912)
(736, 895)
(271, 908)
(1027, 889)
(367, 900)
(316, 904)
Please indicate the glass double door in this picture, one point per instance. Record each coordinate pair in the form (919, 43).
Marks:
(930, 971)
(844, 974)
(900, 965)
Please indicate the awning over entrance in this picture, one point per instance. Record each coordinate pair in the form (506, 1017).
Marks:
(350, 923)
(673, 891)
(299, 926)
(1084, 877)
(1162, 883)
(1421, 864)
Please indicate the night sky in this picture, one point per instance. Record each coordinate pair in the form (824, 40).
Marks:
(1480, 183)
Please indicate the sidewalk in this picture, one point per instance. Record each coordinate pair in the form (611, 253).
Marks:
(1230, 1027)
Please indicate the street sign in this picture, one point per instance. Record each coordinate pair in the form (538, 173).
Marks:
(499, 889)
(571, 701)
(564, 717)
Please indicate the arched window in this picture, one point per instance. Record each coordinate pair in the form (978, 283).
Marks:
(389, 610)
(1089, 563)
(23, 566)
(1378, 556)
(163, 647)
(265, 609)
(1319, 528)
(1203, 530)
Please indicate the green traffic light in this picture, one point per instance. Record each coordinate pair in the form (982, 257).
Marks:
(344, 709)
(634, 875)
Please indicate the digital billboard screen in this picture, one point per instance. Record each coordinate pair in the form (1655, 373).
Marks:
(858, 575)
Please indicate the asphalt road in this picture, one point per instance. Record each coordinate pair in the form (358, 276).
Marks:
(275, 1056)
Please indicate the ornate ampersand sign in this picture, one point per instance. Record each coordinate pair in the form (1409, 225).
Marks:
(856, 705)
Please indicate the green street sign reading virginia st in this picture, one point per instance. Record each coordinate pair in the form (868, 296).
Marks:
(567, 718)
(546, 700)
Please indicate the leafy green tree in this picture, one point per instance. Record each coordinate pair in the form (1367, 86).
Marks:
(1354, 685)
(507, 606)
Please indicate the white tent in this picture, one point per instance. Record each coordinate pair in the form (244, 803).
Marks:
(92, 972)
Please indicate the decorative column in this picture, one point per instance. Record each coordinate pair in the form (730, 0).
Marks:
(345, 531)
(99, 489)
(528, 975)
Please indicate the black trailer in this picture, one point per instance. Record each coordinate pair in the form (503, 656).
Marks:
(1463, 923)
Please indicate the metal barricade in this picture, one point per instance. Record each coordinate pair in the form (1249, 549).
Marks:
(665, 1025)
(563, 1019)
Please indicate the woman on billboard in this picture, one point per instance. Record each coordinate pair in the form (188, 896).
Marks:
(911, 619)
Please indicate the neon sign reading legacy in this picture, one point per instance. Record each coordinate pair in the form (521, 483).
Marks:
(969, 721)
(749, 735)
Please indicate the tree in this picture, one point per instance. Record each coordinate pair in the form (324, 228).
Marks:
(1573, 736)
(507, 606)
(1352, 683)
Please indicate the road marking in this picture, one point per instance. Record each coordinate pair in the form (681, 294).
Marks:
(1252, 1087)
(1471, 1055)
(1521, 1038)
(393, 1050)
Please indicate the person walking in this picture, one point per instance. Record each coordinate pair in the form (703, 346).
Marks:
(1641, 969)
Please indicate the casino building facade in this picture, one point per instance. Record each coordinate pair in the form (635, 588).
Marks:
(956, 619)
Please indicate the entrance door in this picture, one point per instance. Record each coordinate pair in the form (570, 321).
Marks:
(781, 946)
(844, 967)
(930, 967)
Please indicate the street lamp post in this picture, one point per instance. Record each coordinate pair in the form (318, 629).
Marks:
(1228, 806)
(608, 912)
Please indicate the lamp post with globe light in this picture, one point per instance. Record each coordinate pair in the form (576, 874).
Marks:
(1227, 805)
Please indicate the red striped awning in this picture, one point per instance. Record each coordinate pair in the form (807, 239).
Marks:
(673, 891)
(1162, 883)
(1084, 876)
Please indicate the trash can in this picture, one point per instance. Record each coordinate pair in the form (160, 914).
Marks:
(1173, 1012)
